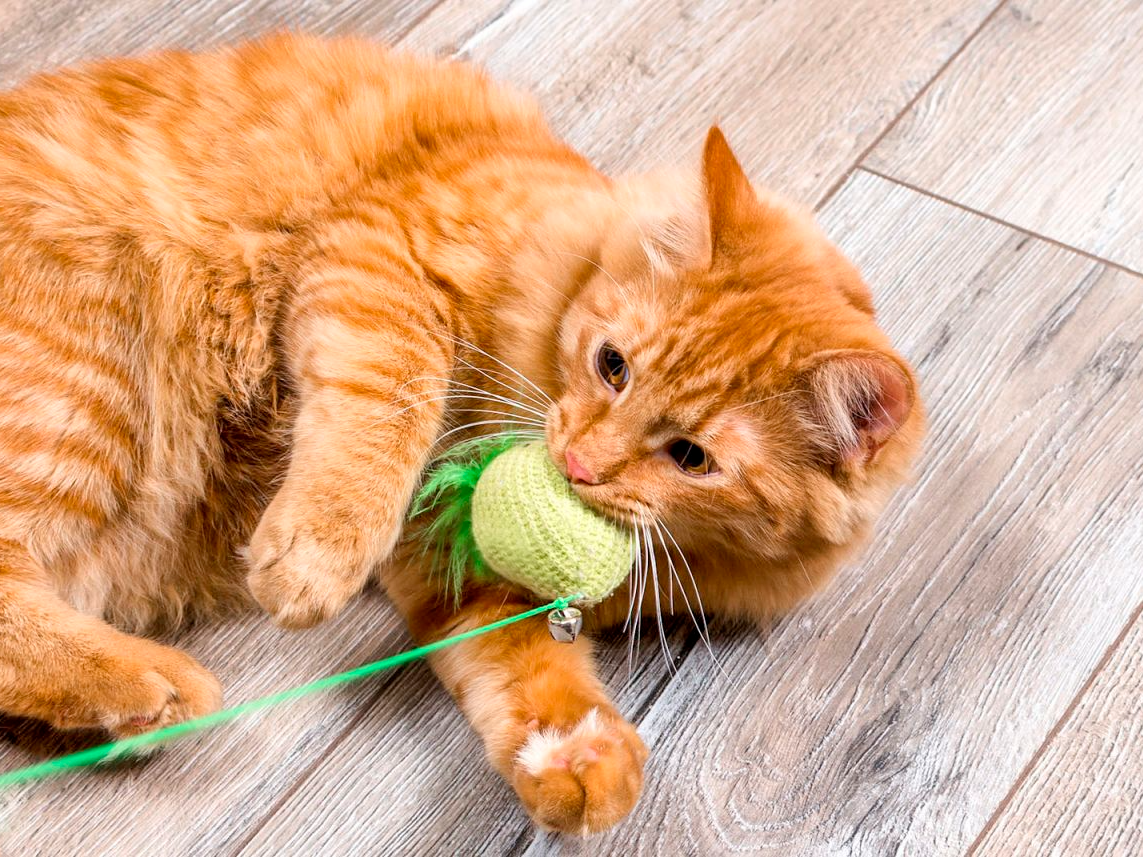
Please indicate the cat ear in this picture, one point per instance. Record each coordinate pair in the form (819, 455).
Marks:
(859, 400)
(730, 199)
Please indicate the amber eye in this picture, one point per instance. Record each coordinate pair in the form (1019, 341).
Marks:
(612, 367)
(691, 458)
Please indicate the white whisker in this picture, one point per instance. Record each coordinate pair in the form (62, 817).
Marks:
(805, 573)
(704, 630)
(619, 287)
(508, 416)
(658, 607)
(498, 378)
(467, 391)
(461, 341)
(632, 577)
(642, 582)
(476, 424)
(766, 399)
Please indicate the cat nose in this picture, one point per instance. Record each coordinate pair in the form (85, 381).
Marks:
(576, 471)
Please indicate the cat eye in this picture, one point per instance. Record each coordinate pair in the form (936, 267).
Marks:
(612, 367)
(691, 458)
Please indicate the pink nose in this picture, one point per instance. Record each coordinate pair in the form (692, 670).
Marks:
(576, 471)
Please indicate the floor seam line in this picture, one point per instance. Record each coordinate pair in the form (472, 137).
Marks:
(909, 105)
(1000, 221)
(1054, 732)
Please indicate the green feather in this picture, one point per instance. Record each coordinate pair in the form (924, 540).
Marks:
(444, 500)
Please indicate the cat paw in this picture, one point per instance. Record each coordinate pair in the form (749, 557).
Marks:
(136, 687)
(584, 779)
(303, 571)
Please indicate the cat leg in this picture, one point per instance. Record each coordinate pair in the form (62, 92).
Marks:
(74, 671)
(367, 348)
(547, 723)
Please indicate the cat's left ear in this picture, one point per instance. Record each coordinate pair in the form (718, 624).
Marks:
(859, 399)
(731, 201)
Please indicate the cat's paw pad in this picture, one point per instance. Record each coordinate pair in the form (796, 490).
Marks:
(140, 687)
(301, 575)
(584, 779)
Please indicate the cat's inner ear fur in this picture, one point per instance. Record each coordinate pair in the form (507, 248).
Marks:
(858, 401)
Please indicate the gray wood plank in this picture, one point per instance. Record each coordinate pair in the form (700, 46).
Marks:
(200, 797)
(892, 715)
(1038, 123)
(1084, 793)
(800, 86)
(37, 35)
(411, 777)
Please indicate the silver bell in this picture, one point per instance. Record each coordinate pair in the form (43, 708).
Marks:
(565, 624)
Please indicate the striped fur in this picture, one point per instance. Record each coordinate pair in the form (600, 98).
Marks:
(243, 295)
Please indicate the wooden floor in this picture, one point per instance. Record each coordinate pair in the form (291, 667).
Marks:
(974, 685)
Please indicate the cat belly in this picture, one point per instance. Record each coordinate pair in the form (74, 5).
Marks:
(168, 548)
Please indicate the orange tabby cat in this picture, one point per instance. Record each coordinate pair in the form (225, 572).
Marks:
(244, 294)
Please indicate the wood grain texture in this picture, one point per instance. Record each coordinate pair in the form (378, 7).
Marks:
(411, 777)
(1083, 796)
(37, 35)
(1038, 123)
(892, 715)
(201, 796)
(800, 86)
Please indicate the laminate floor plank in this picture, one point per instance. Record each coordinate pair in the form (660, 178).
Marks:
(1037, 123)
(1083, 794)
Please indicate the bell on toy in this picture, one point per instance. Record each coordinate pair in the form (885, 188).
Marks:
(565, 624)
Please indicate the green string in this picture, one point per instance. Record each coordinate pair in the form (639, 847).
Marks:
(126, 746)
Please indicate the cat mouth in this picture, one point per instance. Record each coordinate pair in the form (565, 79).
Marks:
(624, 514)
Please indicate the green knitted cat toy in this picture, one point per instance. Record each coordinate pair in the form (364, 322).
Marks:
(500, 505)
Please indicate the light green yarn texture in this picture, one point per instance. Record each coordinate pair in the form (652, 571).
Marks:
(533, 530)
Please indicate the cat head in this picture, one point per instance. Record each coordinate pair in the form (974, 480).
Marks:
(721, 371)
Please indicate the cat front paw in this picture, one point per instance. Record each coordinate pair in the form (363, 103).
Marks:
(584, 779)
(134, 686)
(304, 567)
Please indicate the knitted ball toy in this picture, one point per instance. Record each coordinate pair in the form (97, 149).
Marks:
(499, 505)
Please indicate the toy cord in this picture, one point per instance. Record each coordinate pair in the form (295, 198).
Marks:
(118, 749)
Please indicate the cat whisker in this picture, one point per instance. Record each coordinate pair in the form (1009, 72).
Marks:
(767, 399)
(528, 433)
(510, 417)
(632, 577)
(645, 245)
(498, 378)
(406, 409)
(641, 589)
(473, 425)
(656, 591)
(703, 629)
(468, 397)
(471, 392)
(452, 384)
(619, 287)
(540, 281)
(474, 347)
(805, 573)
